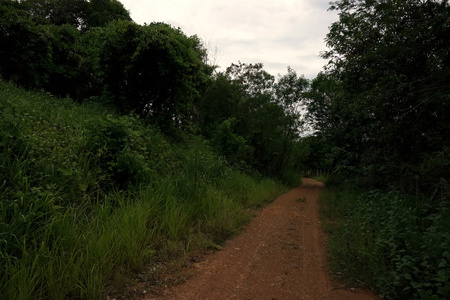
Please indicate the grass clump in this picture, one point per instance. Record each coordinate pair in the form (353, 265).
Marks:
(391, 242)
(87, 195)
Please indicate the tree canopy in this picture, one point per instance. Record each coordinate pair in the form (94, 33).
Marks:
(384, 99)
(41, 42)
(154, 70)
(254, 118)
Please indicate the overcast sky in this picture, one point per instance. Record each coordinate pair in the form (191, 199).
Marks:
(277, 33)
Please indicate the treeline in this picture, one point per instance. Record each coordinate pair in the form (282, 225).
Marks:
(93, 50)
(381, 107)
(381, 112)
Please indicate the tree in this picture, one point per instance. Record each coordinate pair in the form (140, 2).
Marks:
(154, 70)
(252, 118)
(335, 127)
(82, 14)
(100, 13)
(289, 94)
(56, 12)
(24, 53)
(43, 43)
(218, 103)
(252, 80)
(390, 60)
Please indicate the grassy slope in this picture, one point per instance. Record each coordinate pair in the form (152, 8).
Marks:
(86, 194)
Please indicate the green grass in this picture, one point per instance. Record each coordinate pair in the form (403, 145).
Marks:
(87, 195)
(393, 243)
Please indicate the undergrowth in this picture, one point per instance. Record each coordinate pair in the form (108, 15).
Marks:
(396, 244)
(87, 194)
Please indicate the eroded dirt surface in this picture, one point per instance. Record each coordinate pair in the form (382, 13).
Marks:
(280, 255)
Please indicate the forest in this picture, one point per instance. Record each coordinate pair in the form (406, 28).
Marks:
(123, 146)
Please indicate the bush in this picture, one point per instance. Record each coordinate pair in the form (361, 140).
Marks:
(291, 178)
(230, 144)
(391, 243)
(113, 148)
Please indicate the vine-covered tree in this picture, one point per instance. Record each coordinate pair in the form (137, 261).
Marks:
(155, 70)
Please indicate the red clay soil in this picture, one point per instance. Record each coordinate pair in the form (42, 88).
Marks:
(279, 255)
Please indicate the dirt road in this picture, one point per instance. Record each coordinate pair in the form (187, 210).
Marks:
(280, 255)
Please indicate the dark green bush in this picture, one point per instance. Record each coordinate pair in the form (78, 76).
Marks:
(291, 178)
(113, 147)
(393, 244)
(230, 144)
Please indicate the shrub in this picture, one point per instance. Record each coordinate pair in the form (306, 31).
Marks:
(391, 244)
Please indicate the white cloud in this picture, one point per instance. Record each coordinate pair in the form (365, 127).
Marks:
(277, 33)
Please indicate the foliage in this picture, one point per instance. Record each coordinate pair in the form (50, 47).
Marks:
(87, 195)
(81, 14)
(379, 112)
(92, 50)
(219, 102)
(382, 240)
(24, 51)
(154, 70)
(384, 97)
(289, 93)
(41, 43)
(83, 48)
(118, 150)
(253, 119)
(102, 12)
(315, 152)
(230, 144)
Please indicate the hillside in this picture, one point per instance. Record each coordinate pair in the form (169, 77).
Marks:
(89, 195)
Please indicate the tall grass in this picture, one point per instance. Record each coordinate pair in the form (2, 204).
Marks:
(394, 243)
(86, 194)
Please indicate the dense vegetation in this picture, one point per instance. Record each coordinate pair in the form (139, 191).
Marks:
(382, 105)
(133, 148)
(126, 148)
(93, 50)
(88, 195)
(392, 242)
(381, 110)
